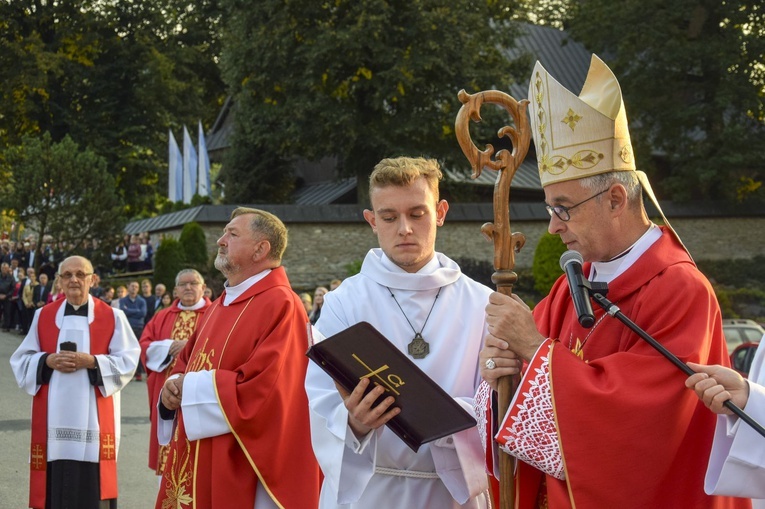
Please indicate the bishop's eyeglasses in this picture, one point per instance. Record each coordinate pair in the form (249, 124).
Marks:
(563, 212)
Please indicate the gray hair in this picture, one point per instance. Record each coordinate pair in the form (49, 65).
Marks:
(605, 180)
(196, 273)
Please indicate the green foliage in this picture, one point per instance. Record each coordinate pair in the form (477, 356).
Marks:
(737, 272)
(546, 266)
(357, 80)
(353, 267)
(114, 75)
(739, 285)
(692, 77)
(169, 259)
(194, 245)
(482, 270)
(60, 190)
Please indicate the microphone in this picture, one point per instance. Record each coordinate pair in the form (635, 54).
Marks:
(571, 263)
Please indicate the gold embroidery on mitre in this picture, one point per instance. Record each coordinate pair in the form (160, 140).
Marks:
(571, 119)
(626, 154)
(582, 160)
(543, 157)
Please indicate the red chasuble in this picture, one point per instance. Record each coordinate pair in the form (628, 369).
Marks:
(101, 332)
(630, 434)
(256, 346)
(169, 323)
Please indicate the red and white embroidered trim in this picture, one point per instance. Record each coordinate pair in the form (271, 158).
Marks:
(528, 431)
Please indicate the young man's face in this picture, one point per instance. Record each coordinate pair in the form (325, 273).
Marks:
(405, 219)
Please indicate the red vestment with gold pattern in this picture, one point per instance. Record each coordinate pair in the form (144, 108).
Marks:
(256, 347)
(170, 323)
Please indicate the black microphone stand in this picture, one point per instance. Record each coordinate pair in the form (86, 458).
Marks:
(598, 293)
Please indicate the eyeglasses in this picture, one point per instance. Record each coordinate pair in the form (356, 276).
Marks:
(189, 284)
(563, 212)
(79, 275)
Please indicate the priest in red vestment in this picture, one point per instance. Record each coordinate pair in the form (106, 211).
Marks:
(241, 427)
(162, 340)
(600, 418)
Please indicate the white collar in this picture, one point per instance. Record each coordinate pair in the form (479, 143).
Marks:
(438, 272)
(194, 307)
(234, 292)
(606, 272)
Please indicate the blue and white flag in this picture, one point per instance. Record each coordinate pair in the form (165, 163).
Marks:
(204, 164)
(189, 167)
(175, 170)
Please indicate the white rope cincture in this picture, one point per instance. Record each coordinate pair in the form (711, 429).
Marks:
(406, 473)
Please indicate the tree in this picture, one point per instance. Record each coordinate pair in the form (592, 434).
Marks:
(546, 266)
(62, 191)
(114, 75)
(194, 246)
(357, 80)
(694, 86)
(168, 262)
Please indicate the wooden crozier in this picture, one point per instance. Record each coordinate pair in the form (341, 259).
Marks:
(506, 244)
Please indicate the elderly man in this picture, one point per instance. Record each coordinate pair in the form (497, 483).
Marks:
(242, 430)
(162, 340)
(78, 355)
(600, 418)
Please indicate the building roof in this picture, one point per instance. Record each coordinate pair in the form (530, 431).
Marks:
(526, 177)
(351, 213)
(565, 59)
(324, 192)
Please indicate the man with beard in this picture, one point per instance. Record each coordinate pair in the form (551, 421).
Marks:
(236, 394)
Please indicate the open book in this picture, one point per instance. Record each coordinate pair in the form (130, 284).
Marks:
(361, 351)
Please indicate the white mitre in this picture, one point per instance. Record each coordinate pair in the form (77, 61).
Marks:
(585, 135)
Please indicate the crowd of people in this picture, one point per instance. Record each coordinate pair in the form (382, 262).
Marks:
(240, 419)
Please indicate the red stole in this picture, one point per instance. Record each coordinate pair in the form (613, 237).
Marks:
(101, 332)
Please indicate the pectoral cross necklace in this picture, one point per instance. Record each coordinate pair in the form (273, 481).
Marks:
(418, 348)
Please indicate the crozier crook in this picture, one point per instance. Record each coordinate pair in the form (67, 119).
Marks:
(506, 244)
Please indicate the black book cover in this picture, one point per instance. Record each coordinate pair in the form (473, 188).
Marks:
(427, 411)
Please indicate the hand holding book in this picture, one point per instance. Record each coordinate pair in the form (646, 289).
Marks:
(420, 410)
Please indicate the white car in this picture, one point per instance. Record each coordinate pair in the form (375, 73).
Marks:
(739, 331)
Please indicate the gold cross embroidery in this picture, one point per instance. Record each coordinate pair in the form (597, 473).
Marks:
(38, 457)
(571, 119)
(107, 446)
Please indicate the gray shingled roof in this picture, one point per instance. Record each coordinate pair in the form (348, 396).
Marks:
(324, 192)
(526, 177)
(217, 138)
(565, 59)
(519, 211)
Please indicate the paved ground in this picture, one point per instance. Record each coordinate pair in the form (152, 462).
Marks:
(137, 484)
